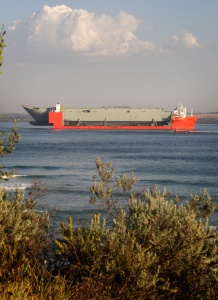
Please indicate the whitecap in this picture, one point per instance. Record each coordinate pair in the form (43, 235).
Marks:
(9, 186)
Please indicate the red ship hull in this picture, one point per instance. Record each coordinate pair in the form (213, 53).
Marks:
(177, 123)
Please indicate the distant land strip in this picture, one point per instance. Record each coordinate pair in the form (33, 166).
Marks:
(204, 118)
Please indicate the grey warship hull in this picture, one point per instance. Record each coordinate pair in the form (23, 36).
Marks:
(108, 116)
(39, 114)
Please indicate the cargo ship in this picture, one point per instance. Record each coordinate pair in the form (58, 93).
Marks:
(112, 118)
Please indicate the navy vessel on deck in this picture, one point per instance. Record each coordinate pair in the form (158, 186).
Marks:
(108, 115)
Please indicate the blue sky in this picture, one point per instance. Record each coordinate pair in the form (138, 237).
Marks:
(92, 53)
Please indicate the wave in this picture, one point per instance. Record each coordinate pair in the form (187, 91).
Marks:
(9, 186)
(30, 167)
(16, 175)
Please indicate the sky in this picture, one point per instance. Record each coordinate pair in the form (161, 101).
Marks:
(93, 53)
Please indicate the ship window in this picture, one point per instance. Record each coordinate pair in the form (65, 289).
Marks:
(128, 111)
(86, 110)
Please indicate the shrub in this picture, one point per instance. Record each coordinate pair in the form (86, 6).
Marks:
(152, 248)
(22, 234)
(145, 246)
(2, 45)
(7, 145)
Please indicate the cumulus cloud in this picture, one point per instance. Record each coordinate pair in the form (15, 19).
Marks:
(80, 32)
(61, 30)
(186, 40)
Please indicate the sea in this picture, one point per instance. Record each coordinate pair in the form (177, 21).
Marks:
(64, 163)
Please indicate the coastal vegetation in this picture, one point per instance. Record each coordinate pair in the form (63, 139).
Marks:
(2, 44)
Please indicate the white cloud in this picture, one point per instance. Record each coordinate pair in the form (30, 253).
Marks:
(55, 31)
(189, 40)
(14, 25)
(81, 32)
(186, 40)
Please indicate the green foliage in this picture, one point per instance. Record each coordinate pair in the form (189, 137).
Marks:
(40, 285)
(102, 189)
(152, 248)
(2, 44)
(7, 142)
(22, 234)
(7, 145)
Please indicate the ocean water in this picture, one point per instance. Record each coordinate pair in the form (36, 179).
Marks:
(64, 162)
